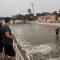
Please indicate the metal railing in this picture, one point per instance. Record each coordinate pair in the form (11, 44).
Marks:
(20, 54)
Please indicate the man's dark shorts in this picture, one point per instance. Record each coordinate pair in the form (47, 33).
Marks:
(9, 50)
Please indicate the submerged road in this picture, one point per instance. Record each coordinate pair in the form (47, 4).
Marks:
(30, 36)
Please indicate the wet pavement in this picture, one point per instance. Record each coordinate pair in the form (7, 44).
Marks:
(39, 41)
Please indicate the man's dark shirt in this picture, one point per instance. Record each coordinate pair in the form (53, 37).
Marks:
(6, 41)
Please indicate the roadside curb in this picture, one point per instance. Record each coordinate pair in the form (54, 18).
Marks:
(54, 24)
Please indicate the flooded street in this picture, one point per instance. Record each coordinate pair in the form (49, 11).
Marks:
(39, 41)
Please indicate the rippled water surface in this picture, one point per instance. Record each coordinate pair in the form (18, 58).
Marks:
(38, 40)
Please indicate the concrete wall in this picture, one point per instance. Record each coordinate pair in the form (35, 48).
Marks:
(49, 18)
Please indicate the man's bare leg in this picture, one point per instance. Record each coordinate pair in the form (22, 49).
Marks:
(6, 57)
(1, 57)
(13, 58)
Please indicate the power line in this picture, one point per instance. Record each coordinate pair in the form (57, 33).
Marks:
(32, 4)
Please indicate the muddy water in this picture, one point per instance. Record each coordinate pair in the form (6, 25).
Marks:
(39, 41)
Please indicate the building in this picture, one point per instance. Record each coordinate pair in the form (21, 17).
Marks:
(48, 18)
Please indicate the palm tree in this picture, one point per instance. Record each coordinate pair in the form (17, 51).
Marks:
(29, 11)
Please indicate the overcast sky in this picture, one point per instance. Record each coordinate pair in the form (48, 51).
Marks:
(12, 7)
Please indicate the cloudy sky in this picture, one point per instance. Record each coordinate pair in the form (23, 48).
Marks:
(12, 7)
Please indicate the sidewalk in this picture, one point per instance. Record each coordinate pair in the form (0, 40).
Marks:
(36, 22)
(54, 24)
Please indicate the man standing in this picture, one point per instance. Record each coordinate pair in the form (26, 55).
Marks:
(57, 31)
(8, 40)
(1, 38)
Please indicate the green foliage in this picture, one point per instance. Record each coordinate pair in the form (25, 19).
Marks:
(43, 14)
(2, 18)
(54, 13)
(30, 15)
(19, 16)
(29, 11)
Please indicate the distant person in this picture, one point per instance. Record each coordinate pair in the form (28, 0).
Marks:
(8, 40)
(57, 31)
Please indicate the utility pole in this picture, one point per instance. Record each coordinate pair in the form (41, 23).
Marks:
(33, 7)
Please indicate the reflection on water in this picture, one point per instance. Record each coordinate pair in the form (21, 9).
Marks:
(37, 39)
(57, 38)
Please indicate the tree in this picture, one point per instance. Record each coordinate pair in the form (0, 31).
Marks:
(19, 16)
(54, 13)
(45, 13)
(38, 14)
(59, 11)
(29, 10)
(2, 18)
(58, 14)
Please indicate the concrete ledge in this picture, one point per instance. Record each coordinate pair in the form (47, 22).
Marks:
(54, 24)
